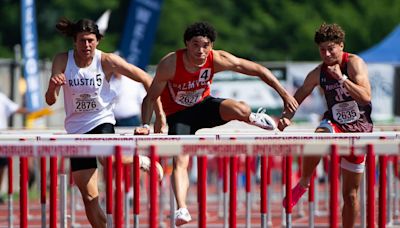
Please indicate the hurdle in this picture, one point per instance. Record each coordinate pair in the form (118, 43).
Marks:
(165, 146)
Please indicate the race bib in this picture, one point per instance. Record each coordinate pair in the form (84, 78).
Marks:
(346, 112)
(85, 102)
(188, 98)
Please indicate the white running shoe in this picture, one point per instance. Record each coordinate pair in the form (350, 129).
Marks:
(182, 216)
(144, 163)
(262, 120)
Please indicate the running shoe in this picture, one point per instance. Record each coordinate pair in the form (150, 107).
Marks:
(297, 192)
(262, 120)
(144, 163)
(182, 216)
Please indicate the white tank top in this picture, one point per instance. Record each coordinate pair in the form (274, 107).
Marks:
(88, 98)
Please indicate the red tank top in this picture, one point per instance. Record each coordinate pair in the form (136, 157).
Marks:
(187, 89)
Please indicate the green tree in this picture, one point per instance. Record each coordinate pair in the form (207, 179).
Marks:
(272, 30)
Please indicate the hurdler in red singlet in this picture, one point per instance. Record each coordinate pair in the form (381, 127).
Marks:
(186, 88)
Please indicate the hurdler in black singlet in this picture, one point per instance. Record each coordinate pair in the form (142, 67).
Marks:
(342, 108)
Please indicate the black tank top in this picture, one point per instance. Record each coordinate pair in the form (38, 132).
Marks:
(342, 108)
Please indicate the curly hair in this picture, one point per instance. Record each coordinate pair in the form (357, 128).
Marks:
(200, 29)
(329, 32)
(68, 28)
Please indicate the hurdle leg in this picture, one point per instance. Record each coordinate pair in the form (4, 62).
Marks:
(300, 205)
(127, 185)
(153, 214)
(136, 189)
(333, 219)
(326, 184)
(220, 188)
(63, 201)
(311, 202)
(10, 193)
(53, 192)
(370, 186)
(396, 202)
(172, 205)
(23, 192)
(396, 188)
(109, 202)
(225, 190)
(263, 191)
(43, 189)
(233, 191)
(202, 190)
(382, 190)
(283, 189)
(396, 196)
(269, 211)
(118, 215)
(72, 206)
(289, 159)
(389, 201)
(248, 191)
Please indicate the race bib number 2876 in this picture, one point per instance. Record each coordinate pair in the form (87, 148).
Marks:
(85, 103)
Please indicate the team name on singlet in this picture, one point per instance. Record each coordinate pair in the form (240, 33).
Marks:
(189, 85)
(340, 91)
(85, 81)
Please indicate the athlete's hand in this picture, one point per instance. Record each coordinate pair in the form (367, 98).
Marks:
(283, 123)
(160, 124)
(335, 71)
(143, 130)
(290, 103)
(57, 80)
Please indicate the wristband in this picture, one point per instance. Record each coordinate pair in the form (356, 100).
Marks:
(146, 126)
(344, 78)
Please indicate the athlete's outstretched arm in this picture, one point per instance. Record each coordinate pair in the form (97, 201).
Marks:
(165, 72)
(310, 82)
(119, 65)
(226, 61)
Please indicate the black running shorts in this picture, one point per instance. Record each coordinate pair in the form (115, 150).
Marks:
(80, 163)
(202, 115)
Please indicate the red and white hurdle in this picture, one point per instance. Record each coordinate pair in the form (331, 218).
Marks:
(165, 146)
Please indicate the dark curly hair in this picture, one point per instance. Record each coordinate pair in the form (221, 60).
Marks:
(329, 32)
(200, 29)
(68, 28)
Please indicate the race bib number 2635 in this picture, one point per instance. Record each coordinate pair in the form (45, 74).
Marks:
(346, 112)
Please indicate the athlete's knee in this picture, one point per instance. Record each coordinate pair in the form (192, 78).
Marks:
(350, 198)
(89, 193)
(89, 199)
(181, 162)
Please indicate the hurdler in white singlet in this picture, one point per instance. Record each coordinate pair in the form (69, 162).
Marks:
(88, 98)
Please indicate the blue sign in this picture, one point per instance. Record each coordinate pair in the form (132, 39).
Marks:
(30, 54)
(139, 31)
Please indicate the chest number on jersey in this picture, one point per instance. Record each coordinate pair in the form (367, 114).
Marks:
(346, 112)
(85, 105)
(85, 102)
(98, 79)
(205, 75)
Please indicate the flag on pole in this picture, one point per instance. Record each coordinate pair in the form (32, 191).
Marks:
(33, 95)
(138, 35)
